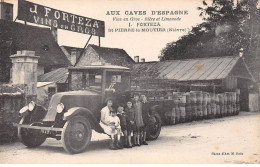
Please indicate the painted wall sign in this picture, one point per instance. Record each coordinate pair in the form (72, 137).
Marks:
(38, 14)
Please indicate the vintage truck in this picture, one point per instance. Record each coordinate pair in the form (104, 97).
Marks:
(71, 116)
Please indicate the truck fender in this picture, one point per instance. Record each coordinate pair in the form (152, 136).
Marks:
(86, 113)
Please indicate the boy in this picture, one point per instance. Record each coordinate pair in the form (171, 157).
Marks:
(145, 115)
(122, 117)
(130, 117)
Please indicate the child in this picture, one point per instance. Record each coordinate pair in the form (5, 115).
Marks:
(122, 117)
(130, 122)
(146, 115)
(110, 124)
(138, 118)
(114, 119)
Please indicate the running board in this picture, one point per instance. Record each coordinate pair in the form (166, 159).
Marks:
(38, 127)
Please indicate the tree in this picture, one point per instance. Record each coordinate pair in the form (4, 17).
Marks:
(226, 28)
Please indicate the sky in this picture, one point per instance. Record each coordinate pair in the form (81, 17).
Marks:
(143, 44)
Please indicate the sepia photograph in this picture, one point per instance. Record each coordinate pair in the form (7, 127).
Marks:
(129, 82)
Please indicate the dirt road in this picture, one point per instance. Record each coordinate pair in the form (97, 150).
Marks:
(233, 139)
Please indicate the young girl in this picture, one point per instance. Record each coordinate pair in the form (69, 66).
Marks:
(138, 118)
(130, 117)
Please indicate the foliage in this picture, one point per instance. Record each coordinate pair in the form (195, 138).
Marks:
(228, 26)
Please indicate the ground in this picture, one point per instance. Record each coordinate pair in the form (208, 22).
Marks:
(233, 139)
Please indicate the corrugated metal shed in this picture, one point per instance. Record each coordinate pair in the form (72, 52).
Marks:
(59, 75)
(180, 70)
(214, 68)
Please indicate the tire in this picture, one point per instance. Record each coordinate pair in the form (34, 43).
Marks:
(76, 134)
(30, 137)
(154, 127)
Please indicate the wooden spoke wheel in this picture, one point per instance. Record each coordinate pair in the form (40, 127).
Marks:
(76, 134)
(154, 127)
(30, 137)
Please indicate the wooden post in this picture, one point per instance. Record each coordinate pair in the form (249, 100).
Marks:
(103, 88)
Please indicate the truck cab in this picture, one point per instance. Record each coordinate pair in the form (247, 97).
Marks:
(71, 116)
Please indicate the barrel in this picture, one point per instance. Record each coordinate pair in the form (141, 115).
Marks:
(182, 100)
(204, 105)
(209, 112)
(178, 113)
(217, 106)
(234, 103)
(213, 105)
(193, 97)
(193, 105)
(188, 112)
(221, 104)
(188, 107)
(170, 116)
(199, 99)
(188, 98)
(225, 104)
(228, 103)
(176, 106)
(237, 101)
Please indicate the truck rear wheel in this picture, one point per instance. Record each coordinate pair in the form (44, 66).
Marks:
(154, 127)
(30, 137)
(76, 134)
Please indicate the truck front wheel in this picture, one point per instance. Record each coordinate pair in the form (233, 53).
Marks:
(76, 134)
(30, 137)
(154, 127)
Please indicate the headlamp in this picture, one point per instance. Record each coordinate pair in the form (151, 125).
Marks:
(24, 109)
(31, 105)
(60, 108)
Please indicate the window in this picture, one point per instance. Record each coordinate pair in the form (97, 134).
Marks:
(98, 78)
(81, 80)
(76, 80)
(116, 78)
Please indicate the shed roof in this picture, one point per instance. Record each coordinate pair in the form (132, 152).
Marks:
(41, 84)
(40, 40)
(59, 75)
(195, 69)
(100, 67)
(114, 56)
